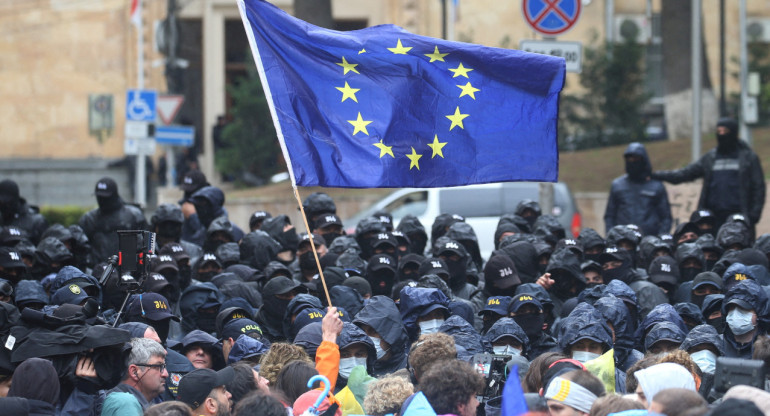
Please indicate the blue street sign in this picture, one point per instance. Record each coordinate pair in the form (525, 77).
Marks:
(175, 135)
(551, 17)
(141, 105)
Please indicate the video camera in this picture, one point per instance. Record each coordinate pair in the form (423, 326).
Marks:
(134, 250)
(493, 368)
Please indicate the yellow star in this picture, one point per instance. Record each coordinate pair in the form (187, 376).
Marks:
(436, 56)
(384, 150)
(415, 158)
(348, 92)
(362, 51)
(457, 119)
(348, 66)
(468, 90)
(360, 124)
(459, 71)
(436, 146)
(400, 49)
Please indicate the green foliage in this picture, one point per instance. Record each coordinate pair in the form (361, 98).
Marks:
(251, 146)
(609, 112)
(65, 215)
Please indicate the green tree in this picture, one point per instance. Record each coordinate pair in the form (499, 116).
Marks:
(251, 146)
(610, 110)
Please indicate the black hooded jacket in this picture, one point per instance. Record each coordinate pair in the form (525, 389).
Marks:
(383, 316)
(28, 218)
(415, 231)
(258, 249)
(100, 227)
(635, 199)
(750, 188)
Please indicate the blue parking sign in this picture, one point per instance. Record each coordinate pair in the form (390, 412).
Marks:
(141, 105)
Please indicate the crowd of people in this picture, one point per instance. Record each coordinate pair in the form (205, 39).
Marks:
(404, 320)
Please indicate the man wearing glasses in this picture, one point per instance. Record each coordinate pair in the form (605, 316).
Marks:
(146, 373)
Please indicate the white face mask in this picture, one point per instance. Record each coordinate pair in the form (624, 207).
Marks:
(739, 321)
(706, 360)
(380, 352)
(506, 350)
(347, 365)
(430, 327)
(584, 356)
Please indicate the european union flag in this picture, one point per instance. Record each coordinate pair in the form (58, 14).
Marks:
(381, 107)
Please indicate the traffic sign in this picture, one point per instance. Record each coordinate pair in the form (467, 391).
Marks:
(141, 105)
(175, 135)
(572, 52)
(168, 107)
(551, 17)
(136, 129)
(134, 146)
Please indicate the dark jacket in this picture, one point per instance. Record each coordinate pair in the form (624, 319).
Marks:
(524, 256)
(300, 302)
(258, 249)
(348, 298)
(382, 315)
(663, 331)
(101, 227)
(350, 335)
(309, 338)
(193, 298)
(661, 313)
(413, 301)
(703, 334)
(751, 186)
(507, 327)
(467, 340)
(638, 200)
(28, 218)
(411, 227)
(616, 312)
(748, 293)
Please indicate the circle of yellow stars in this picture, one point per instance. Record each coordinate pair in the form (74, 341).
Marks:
(456, 119)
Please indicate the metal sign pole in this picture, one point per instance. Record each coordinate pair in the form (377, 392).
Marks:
(696, 79)
(140, 193)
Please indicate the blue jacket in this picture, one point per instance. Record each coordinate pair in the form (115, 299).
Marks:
(584, 322)
(661, 313)
(382, 315)
(663, 331)
(616, 312)
(638, 200)
(415, 300)
(246, 347)
(467, 340)
(507, 327)
(703, 334)
(747, 293)
(350, 335)
(69, 273)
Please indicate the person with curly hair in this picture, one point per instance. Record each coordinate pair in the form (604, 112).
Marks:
(429, 349)
(451, 387)
(278, 356)
(386, 395)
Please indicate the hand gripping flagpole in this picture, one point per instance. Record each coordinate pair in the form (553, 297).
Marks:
(312, 243)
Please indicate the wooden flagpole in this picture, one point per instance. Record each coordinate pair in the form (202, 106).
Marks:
(312, 244)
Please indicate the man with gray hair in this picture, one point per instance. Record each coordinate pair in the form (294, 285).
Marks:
(145, 376)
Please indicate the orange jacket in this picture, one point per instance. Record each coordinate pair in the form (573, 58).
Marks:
(327, 362)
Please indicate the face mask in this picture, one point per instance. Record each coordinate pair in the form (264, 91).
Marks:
(330, 237)
(185, 276)
(289, 239)
(506, 350)
(456, 273)
(726, 143)
(347, 365)
(635, 169)
(688, 273)
(430, 327)
(697, 299)
(739, 321)
(619, 273)
(706, 360)
(169, 229)
(381, 282)
(718, 324)
(584, 356)
(710, 264)
(206, 322)
(380, 352)
(206, 276)
(307, 261)
(532, 324)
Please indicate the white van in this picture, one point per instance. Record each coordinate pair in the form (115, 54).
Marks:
(481, 205)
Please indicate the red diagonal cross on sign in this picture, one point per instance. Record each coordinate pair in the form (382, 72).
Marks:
(551, 5)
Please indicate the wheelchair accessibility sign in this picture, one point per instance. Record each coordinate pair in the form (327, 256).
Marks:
(141, 105)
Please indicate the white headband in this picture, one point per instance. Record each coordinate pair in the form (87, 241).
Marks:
(571, 394)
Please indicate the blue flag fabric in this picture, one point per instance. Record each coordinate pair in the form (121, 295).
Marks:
(381, 107)
(514, 403)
